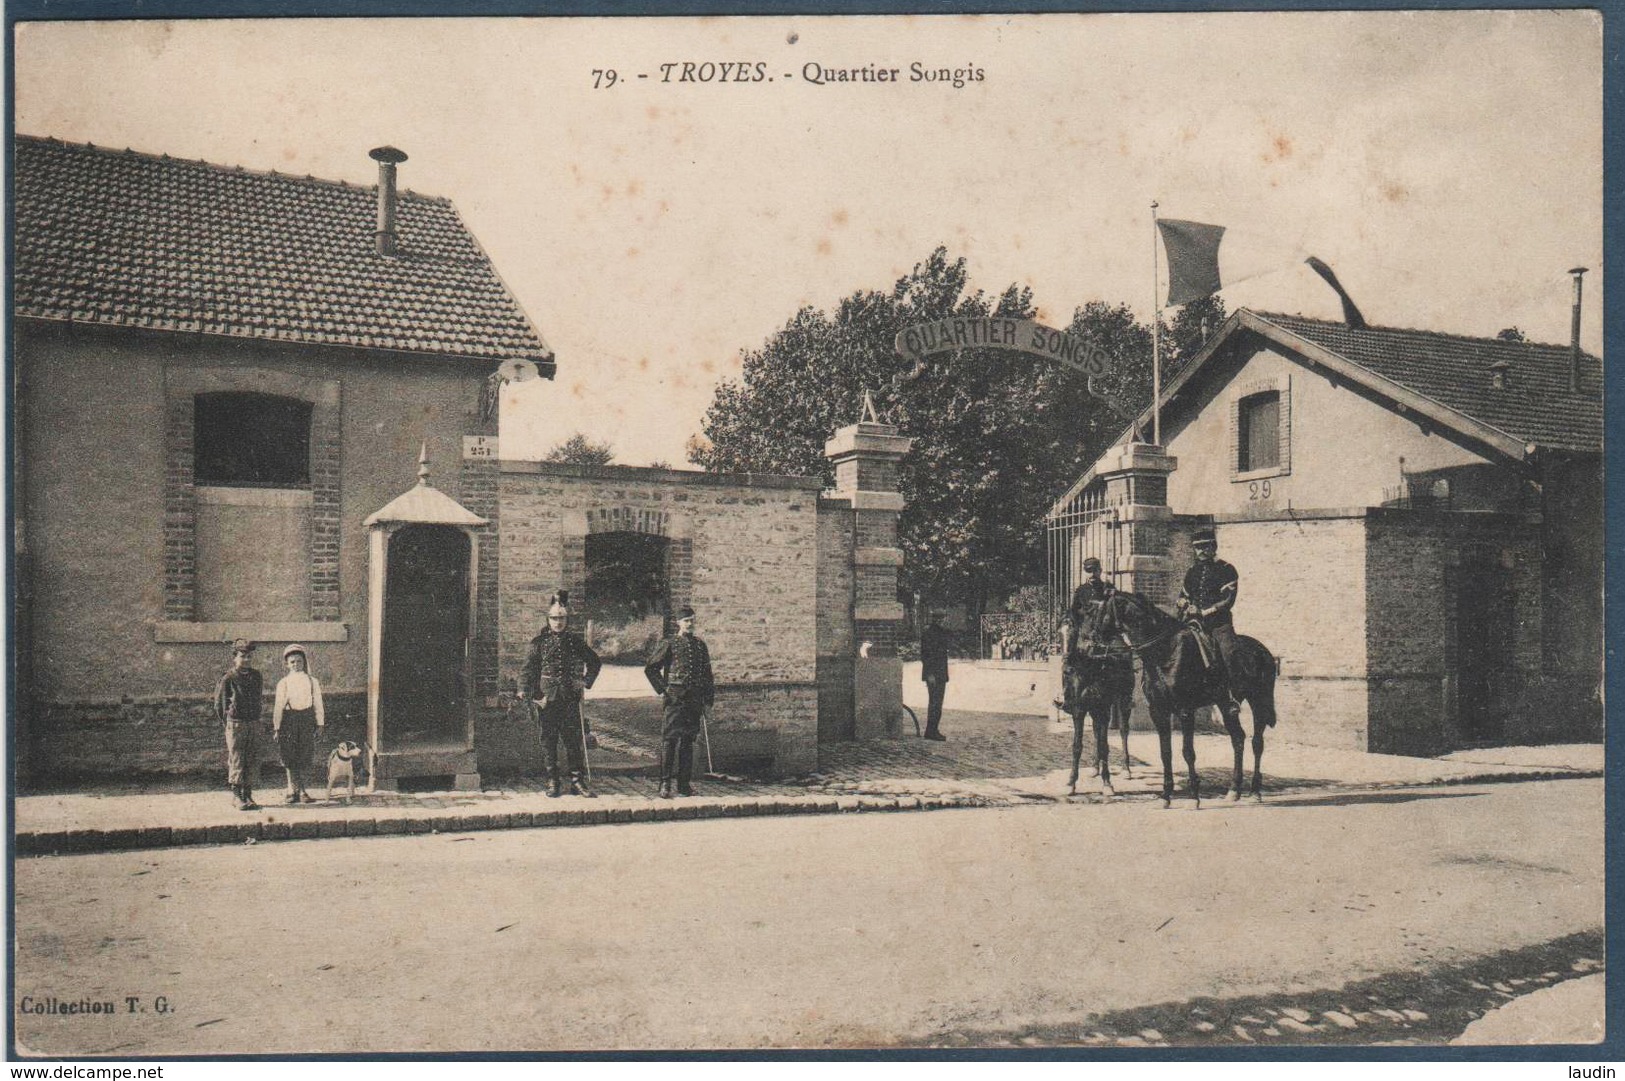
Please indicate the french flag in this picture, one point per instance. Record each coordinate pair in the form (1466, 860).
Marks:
(1202, 259)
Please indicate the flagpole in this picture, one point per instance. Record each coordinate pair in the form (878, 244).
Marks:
(1156, 337)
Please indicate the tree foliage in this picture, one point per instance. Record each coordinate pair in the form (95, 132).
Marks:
(579, 450)
(998, 434)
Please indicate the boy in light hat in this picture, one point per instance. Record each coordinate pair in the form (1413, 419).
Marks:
(297, 715)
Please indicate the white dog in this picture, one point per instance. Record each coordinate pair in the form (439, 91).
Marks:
(341, 768)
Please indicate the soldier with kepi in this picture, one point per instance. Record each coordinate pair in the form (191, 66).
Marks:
(1209, 594)
(680, 672)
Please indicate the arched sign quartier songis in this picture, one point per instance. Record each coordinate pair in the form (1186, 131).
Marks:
(997, 332)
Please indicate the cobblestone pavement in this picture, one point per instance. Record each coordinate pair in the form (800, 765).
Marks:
(1403, 1008)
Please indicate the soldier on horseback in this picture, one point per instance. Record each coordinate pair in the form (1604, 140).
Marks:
(1098, 674)
(1180, 676)
(1208, 596)
(1086, 599)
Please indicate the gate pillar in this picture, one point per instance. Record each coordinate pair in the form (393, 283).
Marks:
(866, 457)
(1136, 477)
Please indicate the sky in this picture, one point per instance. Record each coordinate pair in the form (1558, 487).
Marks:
(1448, 165)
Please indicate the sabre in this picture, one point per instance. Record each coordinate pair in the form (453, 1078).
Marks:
(581, 729)
(705, 730)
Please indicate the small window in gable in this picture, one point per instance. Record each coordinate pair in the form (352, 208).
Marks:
(1258, 435)
(242, 440)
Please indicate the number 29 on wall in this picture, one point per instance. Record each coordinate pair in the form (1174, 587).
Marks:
(1257, 490)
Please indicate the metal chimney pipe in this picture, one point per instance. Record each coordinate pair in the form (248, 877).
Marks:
(387, 158)
(1574, 332)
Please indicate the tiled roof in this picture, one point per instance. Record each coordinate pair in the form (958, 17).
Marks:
(118, 237)
(1536, 406)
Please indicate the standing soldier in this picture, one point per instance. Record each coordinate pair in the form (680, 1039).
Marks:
(1209, 595)
(934, 671)
(237, 701)
(680, 671)
(559, 669)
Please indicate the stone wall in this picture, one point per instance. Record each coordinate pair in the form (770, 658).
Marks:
(744, 551)
(1359, 608)
(837, 642)
(1303, 594)
(174, 736)
(1418, 562)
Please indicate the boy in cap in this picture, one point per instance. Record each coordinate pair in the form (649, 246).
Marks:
(561, 666)
(295, 717)
(237, 700)
(680, 671)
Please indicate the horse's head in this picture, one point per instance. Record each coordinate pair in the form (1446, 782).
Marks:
(1112, 617)
(1132, 618)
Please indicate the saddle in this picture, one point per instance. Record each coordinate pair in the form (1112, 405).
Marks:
(1212, 658)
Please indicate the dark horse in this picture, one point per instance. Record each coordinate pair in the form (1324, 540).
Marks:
(1098, 683)
(1178, 681)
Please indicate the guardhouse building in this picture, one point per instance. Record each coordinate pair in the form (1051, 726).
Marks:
(220, 375)
(1417, 519)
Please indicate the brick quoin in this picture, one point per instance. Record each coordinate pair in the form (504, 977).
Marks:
(180, 512)
(326, 469)
(479, 494)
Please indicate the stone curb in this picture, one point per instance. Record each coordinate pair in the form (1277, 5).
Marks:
(82, 842)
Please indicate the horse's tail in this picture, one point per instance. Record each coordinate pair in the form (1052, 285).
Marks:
(1261, 696)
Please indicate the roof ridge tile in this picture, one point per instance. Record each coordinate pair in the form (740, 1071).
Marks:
(1336, 324)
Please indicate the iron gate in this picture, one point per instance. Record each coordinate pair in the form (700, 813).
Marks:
(1083, 526)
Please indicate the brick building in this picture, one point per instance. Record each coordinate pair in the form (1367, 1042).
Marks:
(253, 405)
(1416, 517)
(220, 374)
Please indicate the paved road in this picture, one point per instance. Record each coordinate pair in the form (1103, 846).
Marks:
(868, 930)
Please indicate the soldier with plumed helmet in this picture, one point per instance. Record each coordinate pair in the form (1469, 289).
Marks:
(559, 669)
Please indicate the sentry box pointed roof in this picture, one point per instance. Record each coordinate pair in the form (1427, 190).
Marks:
(424, 504)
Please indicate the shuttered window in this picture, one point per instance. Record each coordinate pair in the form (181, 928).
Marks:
(1258, 442)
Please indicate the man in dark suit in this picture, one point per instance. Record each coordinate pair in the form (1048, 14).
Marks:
(934, 671)
(680, 671)
(559, 669)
